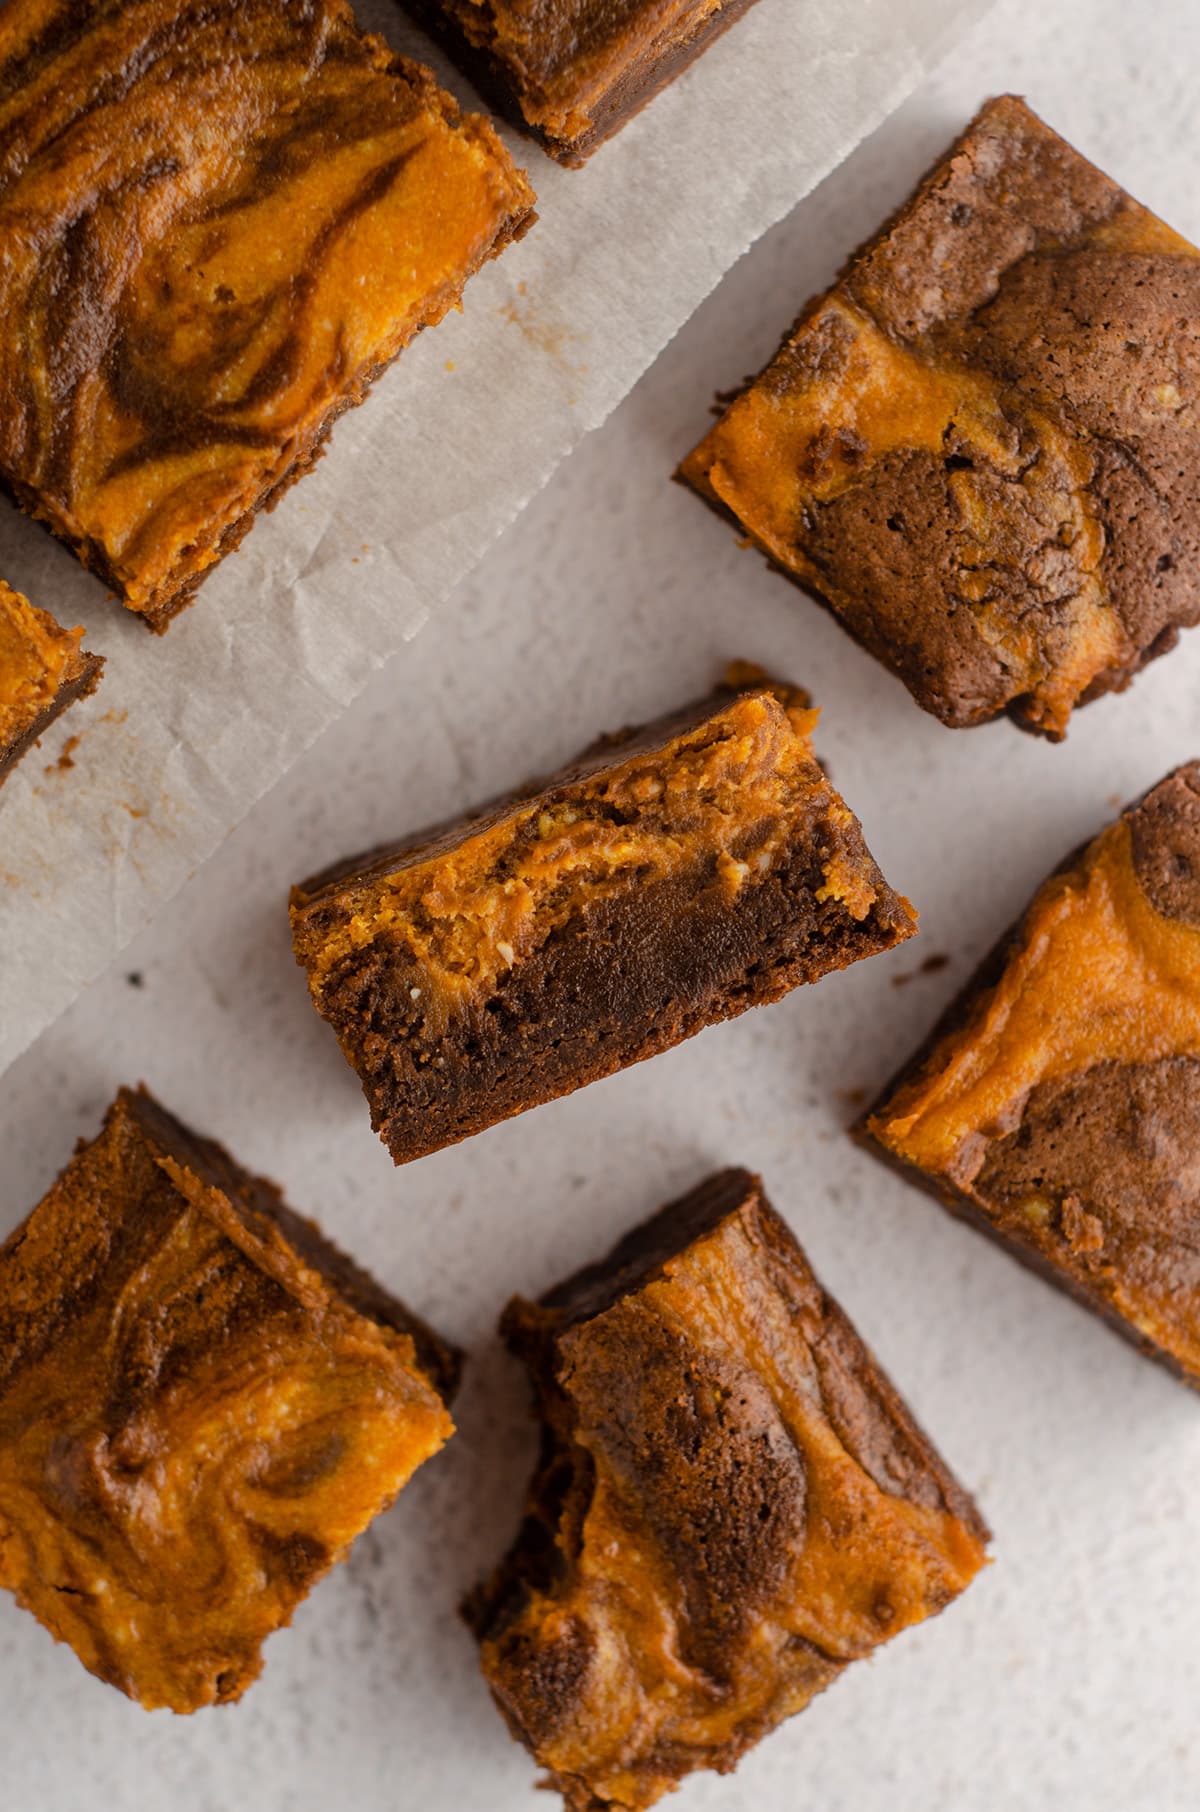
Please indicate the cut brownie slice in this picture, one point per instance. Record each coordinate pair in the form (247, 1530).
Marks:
(43, 669)
(202, 1404)
(1057, 1105)
(732, 1504)
(979, 449)
(675, 876)
(573, 72)
(218, 224)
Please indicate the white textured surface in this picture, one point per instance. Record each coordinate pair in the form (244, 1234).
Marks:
(417, 484)
(1068, 1678)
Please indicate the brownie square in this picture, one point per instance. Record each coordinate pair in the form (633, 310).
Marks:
(1057, 1105)
(732, 1505)
(43, 669)
(202, 1404)
(979, 448)
(218, 223)
(672, 877)
(571, 73)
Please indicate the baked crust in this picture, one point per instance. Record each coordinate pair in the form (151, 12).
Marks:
(218, 225)
(202, 1404)
(732, 1504)
(978, 449)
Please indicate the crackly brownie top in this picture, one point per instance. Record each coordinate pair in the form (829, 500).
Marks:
(1062, 1096)
(717, 790)
(215, 222)
(980, 446)
(201, 1405)
(563, 56)
(733, 1504)
(37, 658)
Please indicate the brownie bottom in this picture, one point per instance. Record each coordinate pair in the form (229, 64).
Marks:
(627, 978)
(72, 690)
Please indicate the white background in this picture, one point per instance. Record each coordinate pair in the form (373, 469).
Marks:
(1069, 1676)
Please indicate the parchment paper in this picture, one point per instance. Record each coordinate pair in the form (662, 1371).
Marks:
(133, 790)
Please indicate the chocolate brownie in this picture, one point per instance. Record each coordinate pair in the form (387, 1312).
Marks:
(1057, 1105)
(732, 1504)
(571, 73)
(218, 223)
(979, 448)
(674, 876)
(43, 669)
(202, 1404)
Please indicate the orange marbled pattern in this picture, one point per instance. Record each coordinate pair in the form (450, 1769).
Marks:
(202, 1404)
(218, 223)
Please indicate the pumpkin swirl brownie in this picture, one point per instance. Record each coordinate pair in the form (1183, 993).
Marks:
(979, 449)
(218, 224)
(674, 876)
(1057, 1105)
(43, 669)
(732, 1505)
(571, 73)
(202, 1404)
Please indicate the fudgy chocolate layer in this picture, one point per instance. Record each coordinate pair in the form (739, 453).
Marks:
(572, 1013)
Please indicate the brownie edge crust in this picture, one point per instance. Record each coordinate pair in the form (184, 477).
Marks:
(1056, 1105)
(978, 449)
(672, 877)
(732, 1504)
(573, 75)
(203, 1403)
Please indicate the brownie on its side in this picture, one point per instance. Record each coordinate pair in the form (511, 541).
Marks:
(202, 1404)
(571, 73)
(980, 447)
(218, 224)
(732, 1504)
(674, 876)
(43, 669)
(1057, 1105)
